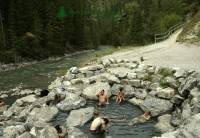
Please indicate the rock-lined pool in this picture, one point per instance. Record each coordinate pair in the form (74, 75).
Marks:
(120, 115)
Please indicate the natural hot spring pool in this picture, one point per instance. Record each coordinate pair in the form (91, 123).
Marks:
(120, 115)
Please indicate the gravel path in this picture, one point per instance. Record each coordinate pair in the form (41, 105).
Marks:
(168, 53)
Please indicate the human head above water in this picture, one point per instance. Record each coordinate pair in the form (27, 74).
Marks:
(147, 113)
(102, 92)
(106, 121)
(121, 89)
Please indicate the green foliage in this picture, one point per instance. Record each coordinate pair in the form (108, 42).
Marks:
(66, 26)
(169, 20)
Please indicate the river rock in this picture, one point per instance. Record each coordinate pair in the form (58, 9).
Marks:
(185, 87)
(56, 83)
(195, 92)
(28, 99)
(170, 81)
(131, 75)
(42, 115)
(75, 133)
(156, 106)
(48, 132)
(71, 101)
(140, 93)
(93, 67)
(26, 92)
(190, 128)
(186, 111)
(4, 96)
(104, 77)
(25, 135)
(13, 131)
(180, 73)
(177, 99)
(136, 101)
(91, 91)
(79, 117)
(135, 83)
(176, 118)
(128, 90)
(74, 70)
(163, 124)
(166, 93)
(120, 72)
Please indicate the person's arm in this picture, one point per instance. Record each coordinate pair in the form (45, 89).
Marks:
(98, 94)
(107, 101)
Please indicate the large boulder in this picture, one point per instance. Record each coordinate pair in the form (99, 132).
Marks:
(42, 115)
(104, 77)
(157, 106)
(166, 93)
(48, 132)
(187, 85)
(56, 83)
(190, 128)
(13, 131)
(79, 117)
(28, 99)
(71, 101)
(140, 93)
(93, 67)
(91, 91)
(25, 135)
(136, 101)
(163, 124)
(120, 72)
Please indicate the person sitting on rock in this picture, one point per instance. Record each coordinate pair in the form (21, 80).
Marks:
(99, 125)
(103, 99)
(120, 96)
(60, 131)
(141, 119)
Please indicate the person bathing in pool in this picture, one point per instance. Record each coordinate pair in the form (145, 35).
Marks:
(120, 96)
(103, 98)
(141, 119)
(99, 125)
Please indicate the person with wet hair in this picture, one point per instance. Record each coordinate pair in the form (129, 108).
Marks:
(103, 98)
(147, 115)
(60, 131)
(99, 125)
(96, 114)
(141, 119)
(120, 96)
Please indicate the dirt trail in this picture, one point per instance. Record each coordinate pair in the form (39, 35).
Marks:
(168, 53)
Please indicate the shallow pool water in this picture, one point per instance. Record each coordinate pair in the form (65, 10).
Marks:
(120, 116)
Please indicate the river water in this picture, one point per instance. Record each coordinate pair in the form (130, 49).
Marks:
(41, 74)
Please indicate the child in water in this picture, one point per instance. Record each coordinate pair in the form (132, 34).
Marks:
(120, 96)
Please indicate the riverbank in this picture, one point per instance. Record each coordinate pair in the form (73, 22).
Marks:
(171, 94)
(14, 66)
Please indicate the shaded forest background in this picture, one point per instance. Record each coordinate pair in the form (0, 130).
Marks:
(37, 29)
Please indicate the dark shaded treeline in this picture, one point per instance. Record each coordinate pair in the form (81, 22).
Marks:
(37, 29)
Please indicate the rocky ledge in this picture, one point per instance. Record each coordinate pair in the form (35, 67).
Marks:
(171, 94)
